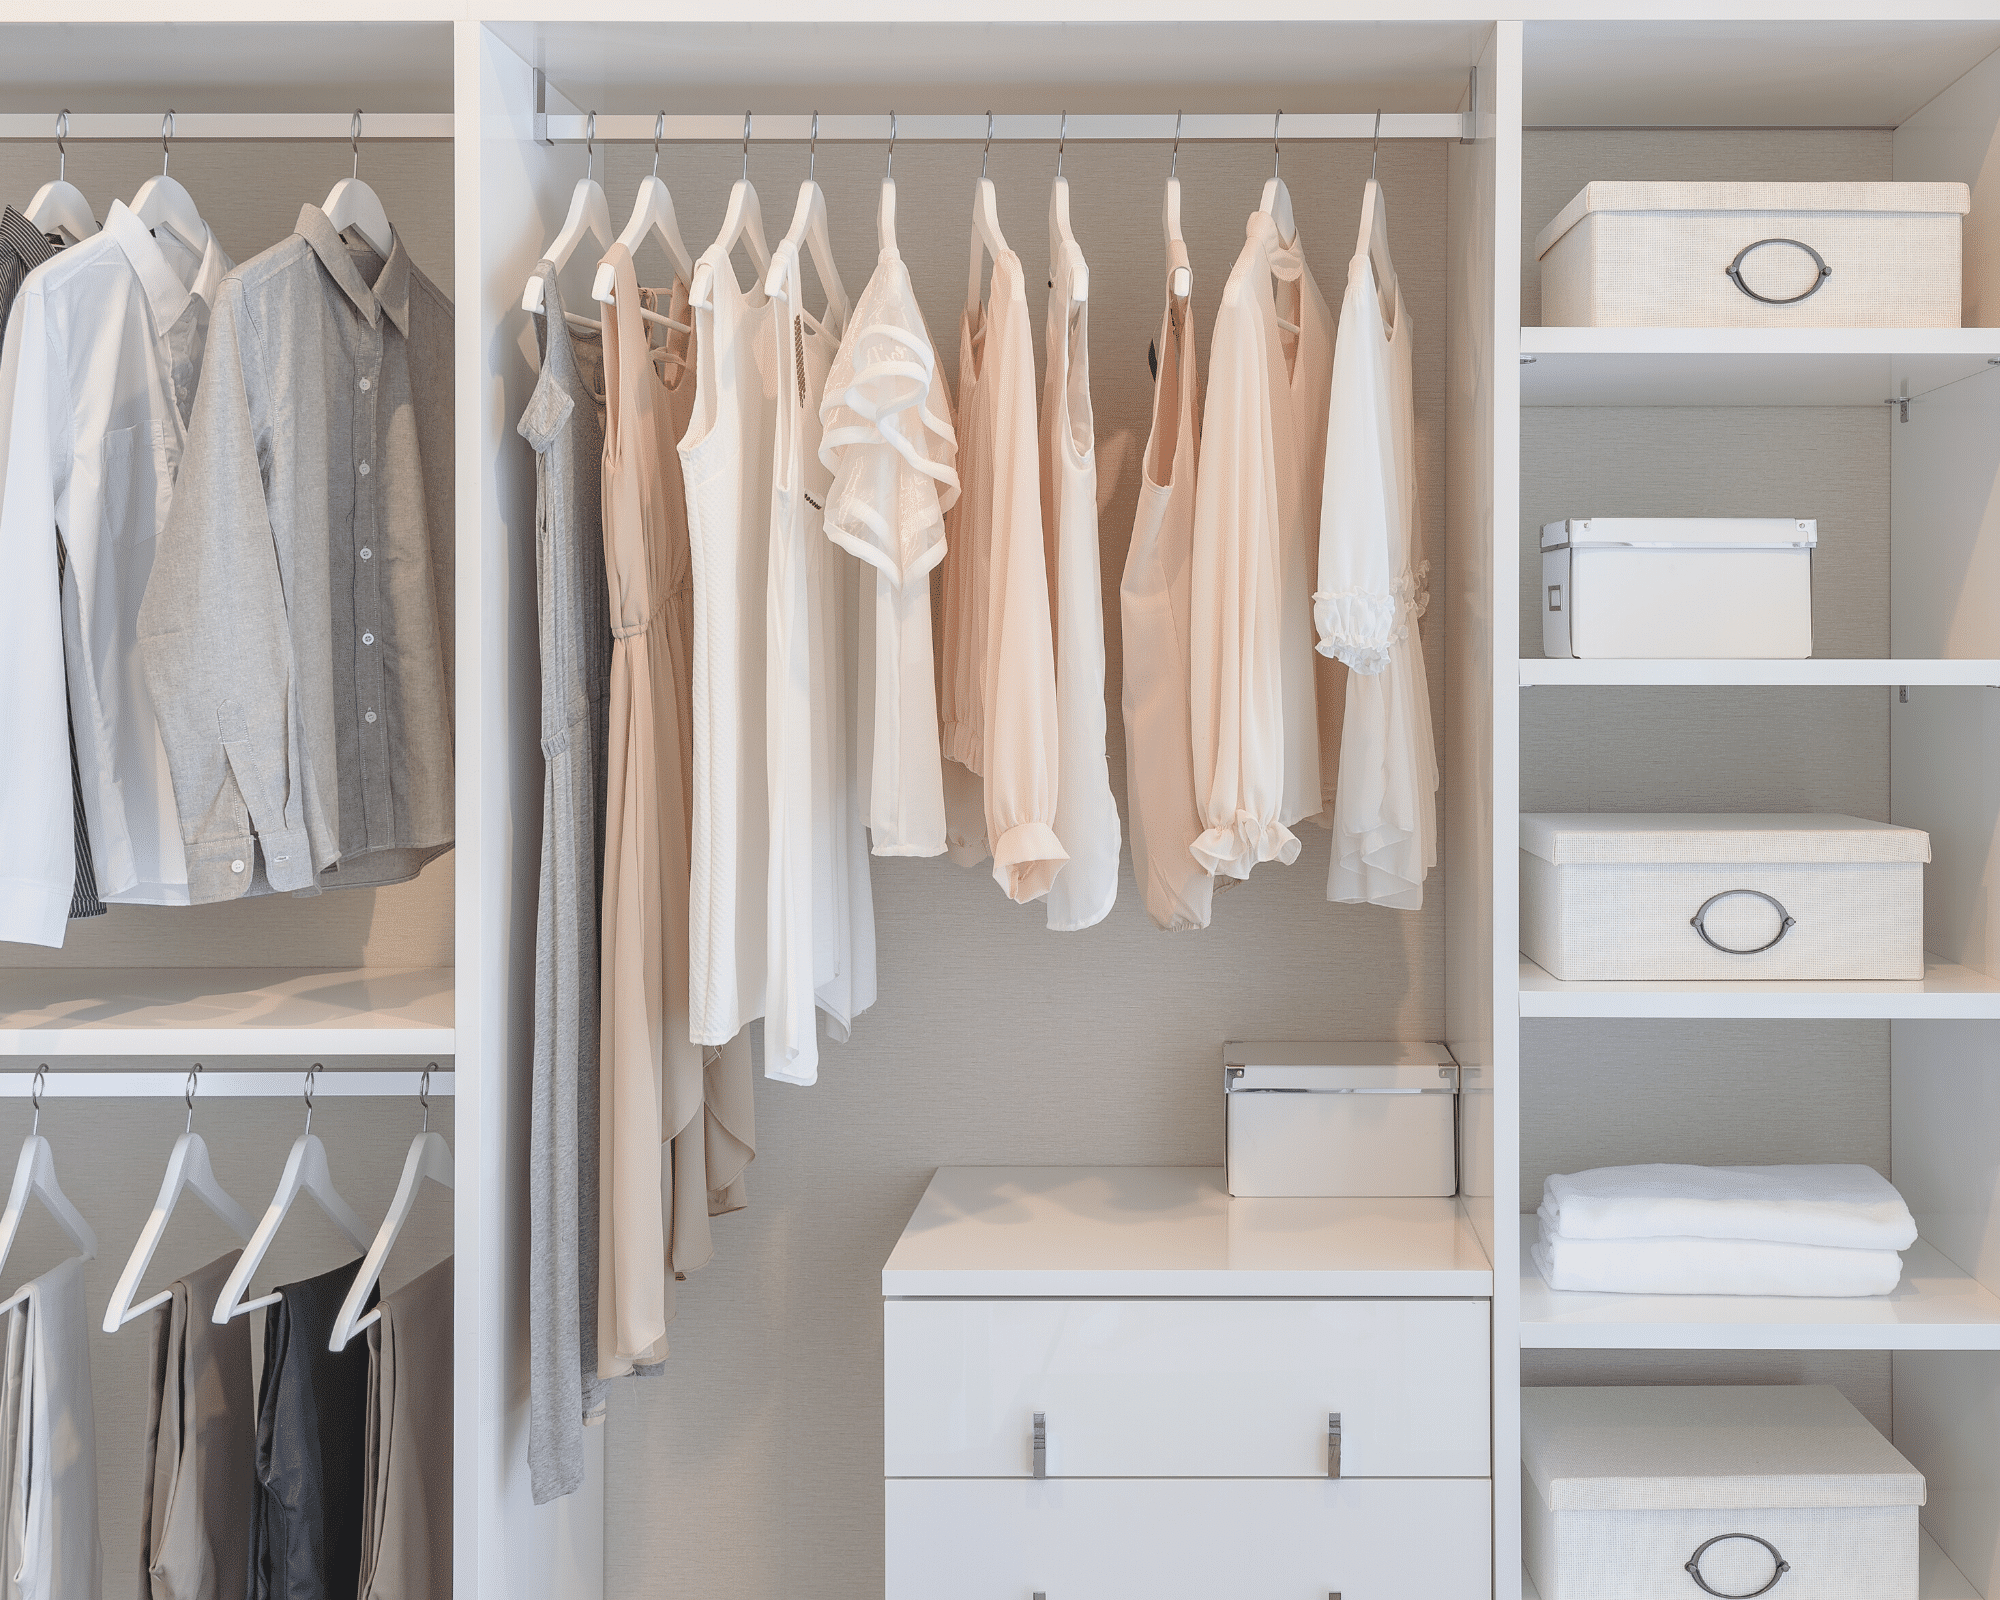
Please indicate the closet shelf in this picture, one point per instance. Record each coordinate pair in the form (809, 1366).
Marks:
(223, 1011)
(1745, 366)
(1824, 673)
(1937, 1577)
(1945, 992)
(1937, 1306)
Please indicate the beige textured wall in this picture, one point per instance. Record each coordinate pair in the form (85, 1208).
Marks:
(753, 1469)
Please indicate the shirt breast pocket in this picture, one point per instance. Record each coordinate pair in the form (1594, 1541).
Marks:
(139, 467)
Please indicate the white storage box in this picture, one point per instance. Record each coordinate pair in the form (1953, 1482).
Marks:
(1619, 896)
(1668, 1493)
(1755, 255)
(1336, 1120)
(1699, 587)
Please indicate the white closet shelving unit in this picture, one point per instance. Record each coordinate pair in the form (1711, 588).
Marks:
(1906, 563)
(1922, 82)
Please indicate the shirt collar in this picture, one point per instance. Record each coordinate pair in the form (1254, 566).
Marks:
(24, 239)
(391, 290)
(165, 292)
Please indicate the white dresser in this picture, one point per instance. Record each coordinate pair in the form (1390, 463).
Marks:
(1103, 1383)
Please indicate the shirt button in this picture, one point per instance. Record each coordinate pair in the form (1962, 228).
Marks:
(364, 469)
(366, 553)
(368, 638)
(369, 718)
(366, 386)
(235, 866)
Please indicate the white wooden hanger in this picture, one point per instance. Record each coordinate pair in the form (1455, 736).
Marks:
(1277, 201)
(885, 207)
(429, 1157)
(1183, 280)
(162, 203)
(986, 232)
(589, 213)
(1060, 238)
(35, 1176)
(59, 206)
(652, 212)
(352, 204)
(742, 222)
(305, 1172)
(187, 1168)
(809, 228)
(1375, 232)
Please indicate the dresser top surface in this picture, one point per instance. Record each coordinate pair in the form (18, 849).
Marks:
(1004, 1231)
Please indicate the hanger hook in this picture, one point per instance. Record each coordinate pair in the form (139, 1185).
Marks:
(1062, 143)
(746, 147)
(1375, 154)
(62, 133)
(35, 1097)
(166, 141)
(659, 133)
(424, 1097)
(1276, 118)
(1174, 171)
(194, 1080)
(590, 147)
(889, 171)
(987, 149)
(311, 1072)
(812, 152)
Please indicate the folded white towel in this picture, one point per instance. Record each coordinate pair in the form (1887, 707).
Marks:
(1715, 1266)
(1845, 1207)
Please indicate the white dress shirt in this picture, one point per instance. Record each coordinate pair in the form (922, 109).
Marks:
(103, 351)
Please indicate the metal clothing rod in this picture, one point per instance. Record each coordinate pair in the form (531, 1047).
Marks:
(1253, 127)
(268, 127)
(170, 1083)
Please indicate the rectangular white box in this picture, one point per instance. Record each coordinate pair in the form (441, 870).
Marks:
(1186, 1539)
(1690, 588)
(1376, 1120)
(1755, 255)
(1641, 896)
(1185, 1388)
(1623, 1489)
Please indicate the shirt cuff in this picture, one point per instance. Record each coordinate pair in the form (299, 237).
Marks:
(1233, 850)
(34, 913)
(1356, 628)
(224, 869)
(1026, 859)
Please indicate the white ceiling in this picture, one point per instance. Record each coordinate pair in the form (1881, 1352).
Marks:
(1039, 66)
(202, 66)
(1743, 74)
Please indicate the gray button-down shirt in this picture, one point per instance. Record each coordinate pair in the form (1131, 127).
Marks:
(298, 626)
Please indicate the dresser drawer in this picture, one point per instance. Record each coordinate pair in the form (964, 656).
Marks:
(1188, 1539)
(1186, 1388)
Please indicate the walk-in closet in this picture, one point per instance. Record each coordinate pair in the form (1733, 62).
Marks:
(998, 1310)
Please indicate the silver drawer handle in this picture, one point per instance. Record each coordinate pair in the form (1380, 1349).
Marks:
(1333, 1444)
(1041, 1444)
(1699, 922)
(1694, 1567)
(1734, 272)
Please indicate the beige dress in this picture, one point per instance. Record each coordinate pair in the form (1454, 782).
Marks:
(1153, 606)
(676, 1122)
(998, 671)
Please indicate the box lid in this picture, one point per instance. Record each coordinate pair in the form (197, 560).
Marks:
(1670, 1448)
(1677, 533)
(1945, 198)
(1426, 1079)
(1669, 838)
(1336, 1053)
